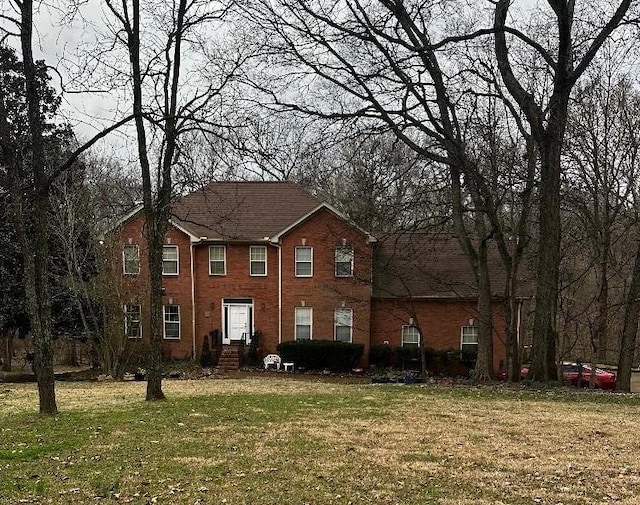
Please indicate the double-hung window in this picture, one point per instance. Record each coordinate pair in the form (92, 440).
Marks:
(258, 260)
(172, 322)
(131, 259)
(132, 324)
(343, 325)
(304, 261)
(344, 261)
(217, 260)
(469, 343)
(410, 336)
(170, 260)
(304, 322)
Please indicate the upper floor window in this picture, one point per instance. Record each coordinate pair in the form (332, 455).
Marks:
(132, 324)
(131, 259)
(343, 323)
(304, 323)
(170, 260)
(217, 260)
(410, 336)
(344, 261)
(171, 321)
(304, 261)
(258, 260)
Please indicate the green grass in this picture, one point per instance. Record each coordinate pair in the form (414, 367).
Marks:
(274, 441)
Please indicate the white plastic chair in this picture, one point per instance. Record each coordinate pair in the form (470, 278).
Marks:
(272, 359)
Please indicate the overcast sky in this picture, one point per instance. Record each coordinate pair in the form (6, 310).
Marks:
(58, 37)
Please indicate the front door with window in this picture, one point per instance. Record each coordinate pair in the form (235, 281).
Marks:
(238, 322)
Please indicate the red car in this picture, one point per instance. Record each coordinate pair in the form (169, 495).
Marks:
(572, 376)
(576, 375)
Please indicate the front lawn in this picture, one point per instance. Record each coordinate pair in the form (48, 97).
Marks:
(276, 440)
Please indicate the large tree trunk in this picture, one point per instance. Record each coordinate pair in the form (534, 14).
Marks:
(7, 349)
(478, 261)
(484, 361)
(36, 251)
(630, 329)
(155, 241)
(543, 359)
(602, 336)
(510, 305)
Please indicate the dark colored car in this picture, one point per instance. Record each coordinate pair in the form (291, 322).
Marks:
(577, 375)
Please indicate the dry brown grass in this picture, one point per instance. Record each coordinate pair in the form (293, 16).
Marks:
(271, 439)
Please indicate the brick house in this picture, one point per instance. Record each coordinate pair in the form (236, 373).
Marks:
(267, 260)
(424, 284)
(251, 258)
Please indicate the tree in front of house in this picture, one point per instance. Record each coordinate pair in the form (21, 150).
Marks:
(563, 48)
(170, 99)
(31, 142)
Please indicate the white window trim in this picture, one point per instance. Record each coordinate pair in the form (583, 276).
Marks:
(177, 260)
(296, 261)
(335, 324)
(350, 274)
(124, 259)
(402, 342)
(462, 328)
(251, 248)
(224, 259)
(164, 322)
(126, 320)
(295, 323)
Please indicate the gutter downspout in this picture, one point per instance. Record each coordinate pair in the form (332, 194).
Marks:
(518, 323)
(193, 306)
(279, 292)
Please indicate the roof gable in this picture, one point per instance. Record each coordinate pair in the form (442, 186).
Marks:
(322, 206)
(243, 211)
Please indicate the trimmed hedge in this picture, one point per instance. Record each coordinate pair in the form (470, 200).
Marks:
(439, 362)
(320, 354)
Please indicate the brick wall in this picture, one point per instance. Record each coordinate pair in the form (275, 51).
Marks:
(441, 322)
(211, 290)
(324, 292)
(134, 289)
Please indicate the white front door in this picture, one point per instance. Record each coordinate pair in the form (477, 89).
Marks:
(238, 322)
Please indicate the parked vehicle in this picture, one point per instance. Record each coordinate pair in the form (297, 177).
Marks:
(577, 375)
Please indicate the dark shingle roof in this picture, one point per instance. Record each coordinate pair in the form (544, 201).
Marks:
(426, 265)
(243, 210)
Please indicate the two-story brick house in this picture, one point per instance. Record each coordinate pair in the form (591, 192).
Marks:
(268, 258)
(249, 257)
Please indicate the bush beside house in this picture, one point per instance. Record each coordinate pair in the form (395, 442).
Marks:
(321, 354)
(438, 362)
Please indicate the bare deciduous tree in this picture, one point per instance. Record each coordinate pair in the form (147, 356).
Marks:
(169, 99)
(562, 51)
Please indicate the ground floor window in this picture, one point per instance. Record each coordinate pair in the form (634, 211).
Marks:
(343, 322)
(171, 321)
(410, 336)
(304, 322)
(132, 325)
(469, 343)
